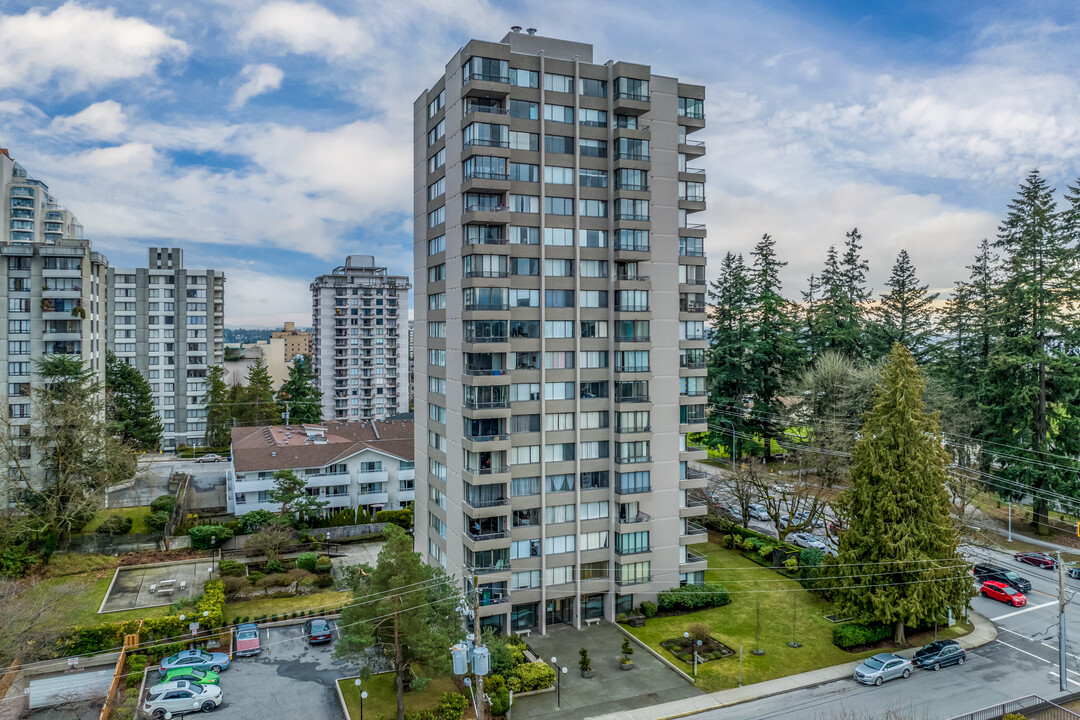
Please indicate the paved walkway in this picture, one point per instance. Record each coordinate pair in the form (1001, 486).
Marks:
(1034, 541)
(357, 553)
(983, 633)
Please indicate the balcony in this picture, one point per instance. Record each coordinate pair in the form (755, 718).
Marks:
(481, 372)
(632, 338)
(692, 306)
(633, 429)
(633, 459)
(632, 308)
(694, 557)
(471, 108)
(632, 369)
(643, 187)
(692, 226)
(485, 536)
(486, 503)
(630, 217)
(692, 474)
(640, 157)
(486, 339)
(633, 550)
(499, 566)
(485, 77)
(631, 247)
(632, 399)
(375, 498)
(692, 364)
(636, 580)
(632, 489)
(695, 393)
(632, 278)
(486, 438)
(633, 519)
(486, 404)
(693, 528)
(485, 307)
(492, 470)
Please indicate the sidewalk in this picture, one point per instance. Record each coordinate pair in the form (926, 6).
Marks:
(1022, 537)
(983, 633)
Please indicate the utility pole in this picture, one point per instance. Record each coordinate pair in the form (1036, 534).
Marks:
(478, 642)
(1062, 679)
(1010, 521)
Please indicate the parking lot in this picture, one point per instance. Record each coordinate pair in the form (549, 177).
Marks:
(288, 679)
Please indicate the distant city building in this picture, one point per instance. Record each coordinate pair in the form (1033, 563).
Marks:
(411, 363)
(239, 357)
(296, 342)
(358, 314)
(366, 464)
(33, 214)
(169, 323)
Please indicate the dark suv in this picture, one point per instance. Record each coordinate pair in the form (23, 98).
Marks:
(984, 572)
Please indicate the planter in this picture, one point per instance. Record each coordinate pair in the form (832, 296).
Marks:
(626, 666)
(588, 674)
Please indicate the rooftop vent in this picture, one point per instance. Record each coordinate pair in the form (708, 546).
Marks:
(531, 31)
(273, 453)
(515, 28)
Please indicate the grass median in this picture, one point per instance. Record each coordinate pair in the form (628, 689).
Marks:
(382, 695)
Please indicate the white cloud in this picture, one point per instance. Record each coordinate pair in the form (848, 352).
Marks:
(307, 29)
(101, 121)
(82, 47)
(258, 79)
(265, 300)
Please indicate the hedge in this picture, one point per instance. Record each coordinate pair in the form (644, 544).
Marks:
(531, 676)
(306, 561)
(163, 503)
(402, 518)
(691, 597)
(451, 707)
(202, 535)
(851, 635)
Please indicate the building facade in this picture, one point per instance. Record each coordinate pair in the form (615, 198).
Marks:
(364, 464)
(169, 322)
(239, 357)
(358, 316)
(560, 329)
(34, 215)
(296, 342)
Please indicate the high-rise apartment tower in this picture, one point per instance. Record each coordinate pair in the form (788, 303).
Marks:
(560, 341)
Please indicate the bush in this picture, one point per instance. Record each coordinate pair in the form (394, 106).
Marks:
(791, 564)
(115, 525)
(691, 597)
(402, 518)
(584, 662)
(204, 537)
(323, 564)
(729, 541)
(851, 635)
(235, 586)
(307, 561)
(649, 608)
(495, 685)
(506, 652)
(1013, 716)
(157, 521)
(253, 521)
(163, 503)
(810, 557)
(273, 566)
(136, 665)
(531, 676)
(699, 631)
(748, 544)
(620, 618)
(255, 577)
(230, 568)
(765, 551)
(16, 560)
(323, 580)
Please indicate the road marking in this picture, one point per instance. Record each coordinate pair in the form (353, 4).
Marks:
(1025, 652)
(1029, 638)
(1029, 608)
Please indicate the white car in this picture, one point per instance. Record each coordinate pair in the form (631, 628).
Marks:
(807, 540)
(211, 457)
(179, 697)
(758, 512)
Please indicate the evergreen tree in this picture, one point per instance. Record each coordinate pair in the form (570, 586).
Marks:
(955, 354)
(774, 350)
(899, 561)
(259, 406)
(412, 615)
(840, 312)
(812, 340)
(301, 393)
(218, 409)
(130, 405)
(904, 313)
(291, 491)
(730, 346)
(1032, 381)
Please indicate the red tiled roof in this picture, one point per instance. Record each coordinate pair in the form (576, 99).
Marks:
(282, 447)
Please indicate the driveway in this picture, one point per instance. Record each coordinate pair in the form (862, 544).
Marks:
(288, 679)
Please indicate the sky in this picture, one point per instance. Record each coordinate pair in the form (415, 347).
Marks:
(271, 139)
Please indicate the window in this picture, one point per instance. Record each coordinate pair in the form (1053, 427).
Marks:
(558, 175)
(524, 78)
(559, 113)
(558, 83)
(519, 235)
(492, 266)
(594, 510)
(632, 89)
(594, 540)
(592, 178)
(630, 179)
(437, 412)
(559, 391)
(437, 273)
(484, 298)
(558, 421)
(632, 361)
(596, 208)
(592, 88)
(437, 104)
(524, 203)
(632, 300)
(560, 237)
(529, 360)
(525, 580)
(692, 386)
(594, 450)
(486, 134)
(520, 549)
(559, 575)
(559, 360)
(437, 358)
(692, 330)
(632, 452)
(592, 148)
(525, 455)
(691, 108)
(522, 172)
(437, 301)
(525, 329)
(594, 298)
(636, 240)
(483, 166)
(593, 268)
(594, 328)
(560, 483)
(437, 385)
(560, 267)
(594, 359)
(19, 305)
(524, 392)
(632, 149)
(556, 514)
(524, 266)
(18, 347)
(486, 69)
(524, 110)
(633, 482)
(592, 118)
(524, 141)
(594, 420)
(560, 206)
(524, 424)
(559, 144)
(436, 133)
(436, 161)
(560, 544)
(437, 217)
(692, 191)
(437, 329)
(524, 486)
(632, 543)
(593, 238)
(558, 452)
(692, 247)
(18, 327)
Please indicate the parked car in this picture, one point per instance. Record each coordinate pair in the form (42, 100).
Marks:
(802, 517)
(215, 662)
(758, 512)
(938, 654)
(984, 572)
(246, 640)
(209, 457)
(192, 675)
(1036, 559)
(1005, 593)
(318, 630)
(179, 697)
(881, 667)
(807, 540)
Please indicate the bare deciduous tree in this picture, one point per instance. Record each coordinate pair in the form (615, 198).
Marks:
(785, 499)
(31, 620)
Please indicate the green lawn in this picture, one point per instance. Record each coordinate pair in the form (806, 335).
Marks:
(137, 515)
(329, 599)
(734, 624)
(382, 696)
(80, 606)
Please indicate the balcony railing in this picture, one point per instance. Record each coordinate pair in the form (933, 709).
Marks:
(693, 114)
(632, 278)
(695, 557)
(631, 368)
(693, 474)
(632, 308)
(696, 197)
(640, 97)
(693, 170)
(486, 306)
(486, 142)
(486, 175)
(487, 274)
(486, 404)
(493, 109)
(633, 550)
(632, 489)
(486, 339)
(633, 429)
(473, 503)
(637, 580)
(692, 253)
(482, 536)
(485, 77)
(631, 217)
(694, 143)
(691, 447)
(493, 470)
(695, 307)
(693, 528)
(487, 438)
(631, 398)
(631, 186)
(632, 247)
(632, 338)
(693, 365)
(643, 157)
(495, 599)
(695, 393)
(487, 208)
(486, 371)
(501, 566)
(634, 520)
(692, 226)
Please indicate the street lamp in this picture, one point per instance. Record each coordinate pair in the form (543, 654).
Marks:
(363, 694)
(693, 649)
(327, 543)
(558, 679)
(213, 548)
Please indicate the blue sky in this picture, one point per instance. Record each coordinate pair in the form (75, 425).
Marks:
(270, 139)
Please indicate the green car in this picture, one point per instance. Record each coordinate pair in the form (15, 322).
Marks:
(195, 675)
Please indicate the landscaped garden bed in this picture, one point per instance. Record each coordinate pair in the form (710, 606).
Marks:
(710, 649)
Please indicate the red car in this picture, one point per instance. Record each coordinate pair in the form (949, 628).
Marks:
(1004, 593)
(1038, 559)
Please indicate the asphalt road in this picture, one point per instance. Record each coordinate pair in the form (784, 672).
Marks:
(1022, 661)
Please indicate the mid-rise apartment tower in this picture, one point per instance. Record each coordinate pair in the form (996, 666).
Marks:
(560, 329)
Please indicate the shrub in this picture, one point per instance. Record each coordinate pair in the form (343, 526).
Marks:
(16, 560)
(307, 561)
(505, 652)
(851, 635)
(584, 663)
(235, 586)
(698, 631)
(729, 541)
(115, 525)
(531, 676)
(748, 544)
(810, 557)
(690, 597)
(495, 685)
(204, 537)
(157, 521)
(649, 608)
(163, 503)
(270, 541)
(402, 518)
(253, 521)
(273, 566)
(323, 564)
(255, 577)
(1013, 716)
(791, 564)
(136, 665)
(627, 650)
(230, 568)
(620, 618)
(323, 581)
(765, 551)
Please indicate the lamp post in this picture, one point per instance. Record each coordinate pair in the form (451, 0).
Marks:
(693, 649)
(363, 694)
(213, 551)
(327, 543)
(558, 680)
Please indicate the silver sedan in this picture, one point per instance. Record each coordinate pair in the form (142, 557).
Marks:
(881, 667)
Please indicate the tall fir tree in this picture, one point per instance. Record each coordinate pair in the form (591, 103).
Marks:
(219, 408)
(300, 393)
(905, 313)
(967, 327)
(899, 562)
(774, 350)
(130, 405)
(812, 341)
(1032, 380)
(258, 405)
(730, 346)
(840, 312)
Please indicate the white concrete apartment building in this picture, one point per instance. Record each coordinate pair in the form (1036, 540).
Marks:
(358, 318)
(34, 215)
(560, 329)
(169, 322)
(365, 464)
